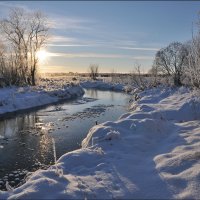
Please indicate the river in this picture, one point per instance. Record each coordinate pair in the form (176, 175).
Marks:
(26, 138)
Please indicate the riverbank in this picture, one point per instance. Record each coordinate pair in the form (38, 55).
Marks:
(13, 99)
(101, 85)
(151, 152)
(49, 91)
(27, 136)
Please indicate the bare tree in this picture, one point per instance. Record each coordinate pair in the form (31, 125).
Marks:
(172, 60)
(193, 70)
(193, 46)
(7, 72)
(137, 77)
(94, 71)
(38, 35)
(2, 57)
(154, 73)
(25, 33)
(113, 75)
(2, 62)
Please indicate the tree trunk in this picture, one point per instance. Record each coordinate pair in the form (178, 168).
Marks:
(177, 80)
(33, 75)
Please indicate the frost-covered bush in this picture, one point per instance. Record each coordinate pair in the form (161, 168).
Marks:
(172, 61)
(193, 70)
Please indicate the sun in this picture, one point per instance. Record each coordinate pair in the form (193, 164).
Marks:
(42, 55)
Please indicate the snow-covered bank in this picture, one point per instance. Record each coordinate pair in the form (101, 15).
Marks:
(151, 152)
(103, 85)
(19, 98)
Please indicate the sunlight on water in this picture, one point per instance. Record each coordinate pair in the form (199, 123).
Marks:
(26, 140)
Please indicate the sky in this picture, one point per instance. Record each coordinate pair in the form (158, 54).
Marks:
(116, 35)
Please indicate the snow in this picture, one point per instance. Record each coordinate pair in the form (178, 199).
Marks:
(49, 91)
(19, 98)
(152, 152)
(103, 85)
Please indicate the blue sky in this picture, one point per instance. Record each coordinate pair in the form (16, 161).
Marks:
(115, 35)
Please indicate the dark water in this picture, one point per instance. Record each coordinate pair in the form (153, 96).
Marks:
(26, 139)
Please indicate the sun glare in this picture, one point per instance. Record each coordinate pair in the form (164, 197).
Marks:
(42, 55)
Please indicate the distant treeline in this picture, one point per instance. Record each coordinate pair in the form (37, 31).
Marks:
(88, 74)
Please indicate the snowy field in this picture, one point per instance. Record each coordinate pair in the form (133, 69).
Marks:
(49, 91)
(103, 85)
(152, 152)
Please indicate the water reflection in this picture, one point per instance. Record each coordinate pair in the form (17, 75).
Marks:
(9, 127)
(112, 96)
(92, 93)
(23, 141)
(27, 138)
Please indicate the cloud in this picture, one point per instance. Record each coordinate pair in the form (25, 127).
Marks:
(72, 23)
(53, 69)
(96, 55)
(85, 55)
(106, 46)
(64, 41)
(140, 48)
(69, 45)
(6, 6)
(59, 38)
(11, 5)
(54, 21)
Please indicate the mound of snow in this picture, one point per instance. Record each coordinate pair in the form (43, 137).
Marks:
(148, 153)
(19, 98)
(165, 103)
(103, 85)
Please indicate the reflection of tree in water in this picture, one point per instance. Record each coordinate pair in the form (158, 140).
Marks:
(26, 140)
(112, 96)
(25, 131)
(10, 127)
(93, 93)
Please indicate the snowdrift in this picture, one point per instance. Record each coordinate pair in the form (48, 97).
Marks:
(20, 98)
(103, 85)
(150, 153)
